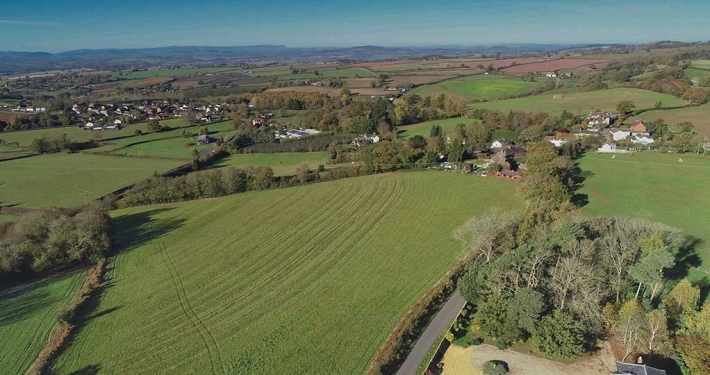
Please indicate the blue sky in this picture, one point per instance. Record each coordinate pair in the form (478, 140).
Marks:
(50, 25)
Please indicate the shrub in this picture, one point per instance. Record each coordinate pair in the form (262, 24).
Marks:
(495, 367)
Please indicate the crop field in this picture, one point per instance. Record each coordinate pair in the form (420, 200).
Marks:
(582, 102)
(300, 280)
(68, 179)
(151, 73)
(147, 82)
(9, 116)
(480, 87)
(283, 164)
(553, 65)
(702, 64)
(394, 81)
(423, 128)
(77, 134)
(346, 73)
(699, 116)
(650, 185)
(26, 318)
(333, 91)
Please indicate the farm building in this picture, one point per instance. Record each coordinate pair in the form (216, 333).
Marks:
(620, 134)
(603, 119)
(365, 139)
(204, 139)
(639, 127)
(511, 175)
(500, 143)
(642, 139)
(613, 148)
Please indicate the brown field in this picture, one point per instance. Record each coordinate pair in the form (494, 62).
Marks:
(552, 65)
(9, 116)
(381, 63)
(186, 83)
(362, 83)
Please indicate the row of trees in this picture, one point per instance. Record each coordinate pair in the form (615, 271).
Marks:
(47, 240)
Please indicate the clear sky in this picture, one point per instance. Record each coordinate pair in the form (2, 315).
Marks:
(51, 25)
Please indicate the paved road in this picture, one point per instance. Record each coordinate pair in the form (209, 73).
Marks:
(443, 320)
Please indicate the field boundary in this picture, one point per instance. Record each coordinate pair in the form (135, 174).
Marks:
(58, 337)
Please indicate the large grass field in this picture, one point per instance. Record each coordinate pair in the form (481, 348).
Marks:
(282, 163)
(699, 116)
(26, 318)
(69, 179)
(423, 128)
(479, 87)
(655, 186)
(582, 102)
(702, 64)
(151, 73)
(175, 148)
(695, 72)
(77, 134)
(304, 280)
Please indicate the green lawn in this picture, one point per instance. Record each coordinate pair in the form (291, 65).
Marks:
(655, 186)
(176, 148)
(68, 179)
(172, 72)
(582, 102)
(695, 72)
(27, 317)
(78, 134)
(283, 164)
(480, 87)
(702, 64)
(5, 218)
(304, 280)
(699, 116)
(423, 128)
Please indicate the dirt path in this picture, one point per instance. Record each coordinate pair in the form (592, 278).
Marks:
(460, 361)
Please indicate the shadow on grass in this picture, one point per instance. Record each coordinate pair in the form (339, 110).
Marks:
(134, 230)
(88, 370)
(686, 258)
(17, 307)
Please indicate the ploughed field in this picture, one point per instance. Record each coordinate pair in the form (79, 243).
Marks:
(308, 279)
(27, 315)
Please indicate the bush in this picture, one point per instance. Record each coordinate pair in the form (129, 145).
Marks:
(495, 367)
(138, 132)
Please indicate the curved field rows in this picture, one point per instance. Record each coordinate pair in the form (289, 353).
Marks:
(301, 280)
(27, 317)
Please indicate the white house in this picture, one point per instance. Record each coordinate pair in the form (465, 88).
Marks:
(612, 148)
(557, 142)
(89, 125)
(117, 122)
(620, 134)
(500, 143)
(643, 139)
(551, 74)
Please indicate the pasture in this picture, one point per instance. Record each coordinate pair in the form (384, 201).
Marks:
(77, 134)
(702, 64)
(479, 87)
(308, 279)
(68, 179)
(582, 102)
(559, 64)
(174, 148)
(283, 164)
(152, 73)
(655, 186)
(26, 318)
(346, 73)
(423, 128)
(699, 116)
(695, 72)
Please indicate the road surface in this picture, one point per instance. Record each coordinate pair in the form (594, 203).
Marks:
(443, 320)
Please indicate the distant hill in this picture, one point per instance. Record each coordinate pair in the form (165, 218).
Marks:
(28, 62)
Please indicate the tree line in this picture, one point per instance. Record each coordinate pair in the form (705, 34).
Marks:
(48, 240)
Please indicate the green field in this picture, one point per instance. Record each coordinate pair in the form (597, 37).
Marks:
(77, 134)
(423, 128)
(310, 279)
(696, 73)
(655, 186)
(27, 317)
(346, 73)
(479, 87)
(582, 102)
(67, 179)
(172, 72)
(699, 116)
(283, 164)
(702, 64)
(175, 148)
(4, 218)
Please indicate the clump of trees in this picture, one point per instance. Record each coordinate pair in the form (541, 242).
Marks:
(47, 240)
(50, 145)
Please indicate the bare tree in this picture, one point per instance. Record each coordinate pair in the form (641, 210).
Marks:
(656, 332)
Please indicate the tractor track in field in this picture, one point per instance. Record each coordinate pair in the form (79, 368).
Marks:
(207, 337)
